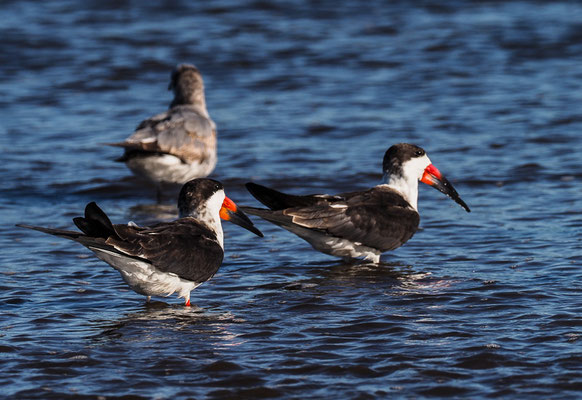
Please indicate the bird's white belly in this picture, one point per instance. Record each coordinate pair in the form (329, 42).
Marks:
(166, 168)
(346, 249)
(335, 246)
(144, 278)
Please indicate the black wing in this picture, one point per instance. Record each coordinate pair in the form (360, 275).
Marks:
(276, 200)
(379, 218)
(183, 247)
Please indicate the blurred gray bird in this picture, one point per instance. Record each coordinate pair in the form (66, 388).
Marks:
(178, 145)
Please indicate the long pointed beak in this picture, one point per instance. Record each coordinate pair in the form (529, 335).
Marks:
(433, 177)
(230, 212)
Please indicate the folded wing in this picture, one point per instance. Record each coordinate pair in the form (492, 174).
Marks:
(181, 131)
(377, 218)
(184, 247)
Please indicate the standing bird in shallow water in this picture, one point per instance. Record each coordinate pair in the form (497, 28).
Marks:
(359, 224)
(168, 257)
(178, 145)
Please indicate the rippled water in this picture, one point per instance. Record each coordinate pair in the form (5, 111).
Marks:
(306, 99)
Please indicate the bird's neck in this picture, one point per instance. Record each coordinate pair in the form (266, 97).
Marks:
(194, 99)
(211, 221)
(406, 186)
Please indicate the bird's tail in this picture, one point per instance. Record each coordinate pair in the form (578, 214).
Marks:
(72, 235)
(276, 200)
(95, 223)
(275, 217)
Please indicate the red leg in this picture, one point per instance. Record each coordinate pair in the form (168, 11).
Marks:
(187, 303)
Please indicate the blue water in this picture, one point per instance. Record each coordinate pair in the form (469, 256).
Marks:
(306, 98)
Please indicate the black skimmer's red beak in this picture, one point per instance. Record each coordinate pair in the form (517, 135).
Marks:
(230, 212)
(433, 177)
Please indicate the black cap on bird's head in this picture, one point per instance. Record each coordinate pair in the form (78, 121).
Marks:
(196, 195)
(398, 154)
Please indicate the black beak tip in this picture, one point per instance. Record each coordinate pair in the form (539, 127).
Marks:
(239, 218)
(251, 227)
(459, 201)
(257, 232)
(444, 186)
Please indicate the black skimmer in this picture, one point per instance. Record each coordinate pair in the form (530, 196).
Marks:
(359, 224)
(178, 145)
(168, 257)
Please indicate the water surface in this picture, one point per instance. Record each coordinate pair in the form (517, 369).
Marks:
(306, 99)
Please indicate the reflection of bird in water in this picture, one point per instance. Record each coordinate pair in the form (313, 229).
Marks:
(168, 257)
(160, 320)
(178, 145)
(359, 224)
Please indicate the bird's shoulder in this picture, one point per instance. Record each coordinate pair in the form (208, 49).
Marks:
(354, 213)
(188, 229)
(185, 247)
(381, 195)
(185, 117)
(378, 196)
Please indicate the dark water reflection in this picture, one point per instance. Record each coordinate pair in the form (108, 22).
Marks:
(306, 98)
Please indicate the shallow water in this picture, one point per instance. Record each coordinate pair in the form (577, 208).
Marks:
(479, 305)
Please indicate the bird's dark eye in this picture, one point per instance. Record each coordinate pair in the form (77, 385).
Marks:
(419, 153)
